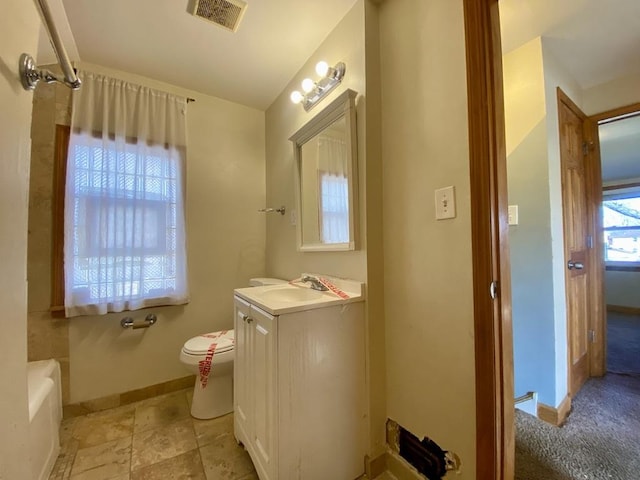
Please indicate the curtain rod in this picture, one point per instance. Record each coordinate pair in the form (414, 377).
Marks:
(30, 75)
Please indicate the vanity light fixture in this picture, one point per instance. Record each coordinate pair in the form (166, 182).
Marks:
(313, 92)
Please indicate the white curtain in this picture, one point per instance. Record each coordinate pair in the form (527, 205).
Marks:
(334, 189)
(124, 199)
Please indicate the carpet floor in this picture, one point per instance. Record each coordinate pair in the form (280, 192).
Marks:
(623, 344)
(599, 441)
(601, 438)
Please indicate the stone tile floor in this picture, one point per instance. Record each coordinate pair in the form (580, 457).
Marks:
(148, 440)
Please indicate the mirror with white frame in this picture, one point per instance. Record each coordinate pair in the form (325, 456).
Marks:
(325, 151)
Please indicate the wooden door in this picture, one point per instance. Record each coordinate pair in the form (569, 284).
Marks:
(577, 236)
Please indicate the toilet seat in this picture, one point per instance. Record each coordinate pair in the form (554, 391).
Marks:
(200, 345)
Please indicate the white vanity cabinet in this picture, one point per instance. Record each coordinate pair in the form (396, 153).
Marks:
(299, 391)
(255, 384)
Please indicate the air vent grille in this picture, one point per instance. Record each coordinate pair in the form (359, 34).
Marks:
(225, 13)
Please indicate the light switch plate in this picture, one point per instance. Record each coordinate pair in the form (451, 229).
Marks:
(445, 203)
(513, 214)
(293, 217)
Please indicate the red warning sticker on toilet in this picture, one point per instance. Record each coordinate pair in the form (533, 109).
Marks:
(205, 365)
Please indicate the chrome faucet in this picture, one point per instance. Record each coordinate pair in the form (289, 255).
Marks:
(315, 283)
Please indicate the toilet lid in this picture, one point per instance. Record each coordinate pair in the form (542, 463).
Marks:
(200, 345)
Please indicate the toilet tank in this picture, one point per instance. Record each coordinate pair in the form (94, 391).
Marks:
(259, 282)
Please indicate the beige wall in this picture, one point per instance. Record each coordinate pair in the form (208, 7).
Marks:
(372, 216)
(47, 337)
(226, 246)
(616, 93)
(19, 27)
(621, 288)
(345, 43)
(428, 278)
(523, 80)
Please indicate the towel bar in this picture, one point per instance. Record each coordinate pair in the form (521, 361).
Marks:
(127, 322)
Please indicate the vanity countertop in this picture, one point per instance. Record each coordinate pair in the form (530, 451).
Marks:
(296, 296)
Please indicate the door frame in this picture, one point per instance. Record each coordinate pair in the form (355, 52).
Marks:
(495, 436)
(495, 429)
(598, 360)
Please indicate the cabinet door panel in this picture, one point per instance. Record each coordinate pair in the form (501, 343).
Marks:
(321, 394)
(242, 371)
(264, 394)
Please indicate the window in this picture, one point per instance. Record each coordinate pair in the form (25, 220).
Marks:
(333, 186)
(122, 245)
(621, 222)
(124, 223)
(334, 208)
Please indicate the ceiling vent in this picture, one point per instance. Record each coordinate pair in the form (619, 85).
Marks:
(225, 13)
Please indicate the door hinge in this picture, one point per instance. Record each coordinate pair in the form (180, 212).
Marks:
(592, 336)
(589, 241)
(586, 146)
(493, 289)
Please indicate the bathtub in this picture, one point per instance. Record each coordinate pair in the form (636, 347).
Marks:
(45, 415)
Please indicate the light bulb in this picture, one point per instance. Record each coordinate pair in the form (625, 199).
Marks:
(296, 96)
(307, 85)
(322, 68)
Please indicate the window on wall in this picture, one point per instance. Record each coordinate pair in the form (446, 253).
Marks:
(124, 230)
(125, 225)
(621, 222)
(124, 221)
(334, 208)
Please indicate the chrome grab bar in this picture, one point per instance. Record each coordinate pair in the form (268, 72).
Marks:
(527, 396)
(128, 322)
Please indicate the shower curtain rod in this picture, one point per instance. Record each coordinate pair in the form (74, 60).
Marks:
(30, 75)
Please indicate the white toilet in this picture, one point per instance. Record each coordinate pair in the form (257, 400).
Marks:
(210, 357)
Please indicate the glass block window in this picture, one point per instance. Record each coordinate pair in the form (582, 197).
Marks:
(126, 224)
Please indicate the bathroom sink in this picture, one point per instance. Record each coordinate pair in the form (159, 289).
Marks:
(293, 294)
(295, 297)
